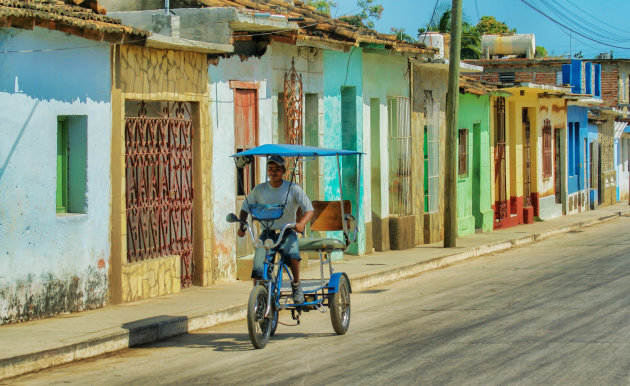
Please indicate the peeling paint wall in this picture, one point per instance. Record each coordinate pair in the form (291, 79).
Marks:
(221, 108)
(343, 128)
(380, 88)
(49, 263)
(474, 205)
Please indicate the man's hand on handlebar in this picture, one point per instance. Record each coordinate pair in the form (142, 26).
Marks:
(241, 231)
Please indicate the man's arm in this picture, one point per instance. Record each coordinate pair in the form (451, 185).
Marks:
(241, 229)
(299, 227)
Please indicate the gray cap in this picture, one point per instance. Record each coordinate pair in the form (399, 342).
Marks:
(276, 159)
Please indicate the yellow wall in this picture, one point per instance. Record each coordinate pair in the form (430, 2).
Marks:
(160, 75)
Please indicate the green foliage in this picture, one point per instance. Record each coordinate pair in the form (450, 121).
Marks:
(541, 52)
(322, 5)
(489, 25)
(402, 36)
(369, 11)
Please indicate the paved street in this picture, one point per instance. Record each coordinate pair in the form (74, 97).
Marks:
(553, 312)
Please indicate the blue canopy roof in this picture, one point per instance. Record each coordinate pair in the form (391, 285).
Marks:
(294, 151)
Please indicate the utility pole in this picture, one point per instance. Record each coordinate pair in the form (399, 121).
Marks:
(452, 101)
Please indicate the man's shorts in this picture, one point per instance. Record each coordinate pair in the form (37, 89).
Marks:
(288, 250)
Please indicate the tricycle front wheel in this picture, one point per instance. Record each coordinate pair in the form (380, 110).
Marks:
(339, 304)
(258, 326)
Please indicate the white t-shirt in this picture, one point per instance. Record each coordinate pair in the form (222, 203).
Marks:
(265, 194)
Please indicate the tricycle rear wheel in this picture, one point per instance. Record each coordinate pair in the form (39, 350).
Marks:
(258, 326)
(339, 304)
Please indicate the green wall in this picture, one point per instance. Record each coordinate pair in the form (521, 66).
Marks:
(474, 206)
(343, 129)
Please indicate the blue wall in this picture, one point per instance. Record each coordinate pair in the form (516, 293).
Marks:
(592, 138)
(577, 132)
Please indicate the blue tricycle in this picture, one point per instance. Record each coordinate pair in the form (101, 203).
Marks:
(331, 291)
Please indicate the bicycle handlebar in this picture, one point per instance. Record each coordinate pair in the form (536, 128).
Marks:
(262, 245)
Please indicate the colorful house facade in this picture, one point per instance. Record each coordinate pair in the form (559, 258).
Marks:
(474, 203)
(55, 158)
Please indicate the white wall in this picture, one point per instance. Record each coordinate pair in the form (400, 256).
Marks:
(51, 263)
(222, 114)
(376, 85)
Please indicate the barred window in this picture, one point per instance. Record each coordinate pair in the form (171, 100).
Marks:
(463, 153)
(399, 155)
(547, 149)
(432, 158)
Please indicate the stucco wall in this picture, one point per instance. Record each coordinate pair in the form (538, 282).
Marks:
(432, 78)
(343, 74)
(51, 263)
(555, 110)
(157, 75)
(473, 188)
(257, 70)
(379, 87)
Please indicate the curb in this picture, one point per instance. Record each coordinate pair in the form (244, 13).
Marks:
(153, 332)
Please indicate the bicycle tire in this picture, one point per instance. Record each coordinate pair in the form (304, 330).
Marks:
(339, 304)
(258, 326)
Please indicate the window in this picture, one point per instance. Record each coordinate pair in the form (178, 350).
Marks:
(432, 157)
(506, 77)
(399, 155)
(547, 149)
(71, 164)
(623, 94)
(559, 78)
(463, 153)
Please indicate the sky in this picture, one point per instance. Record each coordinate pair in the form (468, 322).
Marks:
(605, 17)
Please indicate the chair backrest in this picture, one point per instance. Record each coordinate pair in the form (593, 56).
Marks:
(327, 215)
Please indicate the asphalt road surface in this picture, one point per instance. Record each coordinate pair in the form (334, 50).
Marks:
(555, 312)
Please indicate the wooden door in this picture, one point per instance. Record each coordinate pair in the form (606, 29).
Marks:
(500, 180)
(246, 137)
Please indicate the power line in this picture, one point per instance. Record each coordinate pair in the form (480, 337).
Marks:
(572, 29)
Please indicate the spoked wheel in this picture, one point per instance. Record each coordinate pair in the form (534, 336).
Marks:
(274, 323)
(258, 326)
(339, 304)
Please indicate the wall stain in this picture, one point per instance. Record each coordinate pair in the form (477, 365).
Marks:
(35, 298)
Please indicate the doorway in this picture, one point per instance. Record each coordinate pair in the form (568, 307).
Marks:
(245, 137)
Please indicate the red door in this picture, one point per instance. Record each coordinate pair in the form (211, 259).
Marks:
(246, 137)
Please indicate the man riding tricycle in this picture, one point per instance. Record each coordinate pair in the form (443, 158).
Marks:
(274, 205)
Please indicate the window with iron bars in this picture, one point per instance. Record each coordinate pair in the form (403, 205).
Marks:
(463, 153)
(547, 149)
(432, 158)
(399, 155)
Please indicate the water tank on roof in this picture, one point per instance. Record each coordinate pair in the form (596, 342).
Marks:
(519, 45)
(435, 40)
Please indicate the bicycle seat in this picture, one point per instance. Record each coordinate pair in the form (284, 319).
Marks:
(320, 245)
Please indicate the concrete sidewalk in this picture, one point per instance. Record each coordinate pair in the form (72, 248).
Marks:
(36, 345)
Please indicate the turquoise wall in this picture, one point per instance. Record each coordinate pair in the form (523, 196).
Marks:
(474, 205)
(343, 128)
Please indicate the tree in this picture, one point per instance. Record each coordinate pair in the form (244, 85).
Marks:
(322, 5)
(402, 36)
(541, 52)
(471, 38)
(369, 11)
(489, 25)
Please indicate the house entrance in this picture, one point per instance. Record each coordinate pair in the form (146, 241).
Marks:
(245, 137)
(527, 160)
(500, 180)
(159, 184)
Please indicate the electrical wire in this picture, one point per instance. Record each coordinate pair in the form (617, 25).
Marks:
(571, 28)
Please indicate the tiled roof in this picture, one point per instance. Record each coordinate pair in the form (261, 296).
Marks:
(315, 25)
(70, 18)
(470, 85)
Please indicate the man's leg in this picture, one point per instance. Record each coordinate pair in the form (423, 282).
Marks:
(291, 256)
